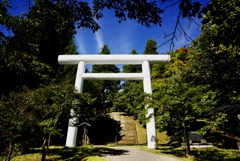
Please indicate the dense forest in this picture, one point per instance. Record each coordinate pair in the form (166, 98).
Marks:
(201, 82)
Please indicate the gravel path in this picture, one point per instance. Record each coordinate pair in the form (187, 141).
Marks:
(134, 154)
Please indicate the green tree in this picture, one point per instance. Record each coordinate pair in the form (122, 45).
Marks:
(216, 62)
(107, 87)
(131, 100)
(179, 57)
(179, 105)
(49, 27)
(37, 39)
(150, 47)
(15, 126)
(18, 68)
(132, 68)
(48, 104)
(178, 101)
(68, 72)
(131, 95)
(225, 15)
(31, 115)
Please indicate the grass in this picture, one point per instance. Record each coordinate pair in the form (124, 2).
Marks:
(224, 152)
(141, 131)
(207, 154)
(59, 153)
(95, 153)
(93, 158)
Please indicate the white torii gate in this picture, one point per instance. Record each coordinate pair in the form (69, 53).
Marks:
(82, 60)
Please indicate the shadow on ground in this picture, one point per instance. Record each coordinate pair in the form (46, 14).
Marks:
(79, 153)
(109, 151)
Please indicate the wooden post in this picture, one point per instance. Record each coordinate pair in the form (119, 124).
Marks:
(85, 138)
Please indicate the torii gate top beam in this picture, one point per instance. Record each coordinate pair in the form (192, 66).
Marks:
(112, 59)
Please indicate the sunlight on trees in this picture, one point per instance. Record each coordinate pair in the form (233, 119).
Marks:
(200, 82)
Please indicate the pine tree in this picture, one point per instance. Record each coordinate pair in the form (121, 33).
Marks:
(108, 88)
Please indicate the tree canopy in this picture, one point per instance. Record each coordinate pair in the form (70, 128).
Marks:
(81, 14)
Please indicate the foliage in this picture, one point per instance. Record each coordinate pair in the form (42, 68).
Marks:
(225, 15)
(19, 68)
(87, 108)
(179, 59)
(129, 98)
(107, 87)
(178, 102)
(196, 81)
(49, 103)
(181, 102)
(150, 47)
(67, 73)
(216, 63)
(5, 21)
(132, 99)
(15, 126)
(145, 12)
(42, 106)
(132, 68)
(49, 27)
(85, 14)
(67, 13)
(217, 66)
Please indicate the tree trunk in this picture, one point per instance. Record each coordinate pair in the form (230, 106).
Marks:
(188, 151)
(44, 149)
(9, 152)
(186, 137)
(48, 144)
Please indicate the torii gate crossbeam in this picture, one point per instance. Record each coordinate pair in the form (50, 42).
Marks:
(144, 60)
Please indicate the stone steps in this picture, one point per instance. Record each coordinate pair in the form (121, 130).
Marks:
(128, 128)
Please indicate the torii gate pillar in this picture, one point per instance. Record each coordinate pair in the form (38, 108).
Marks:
(72, 129)
(113, 59)
(147, 87)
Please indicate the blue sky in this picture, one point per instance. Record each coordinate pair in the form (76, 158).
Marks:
(121, 38)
